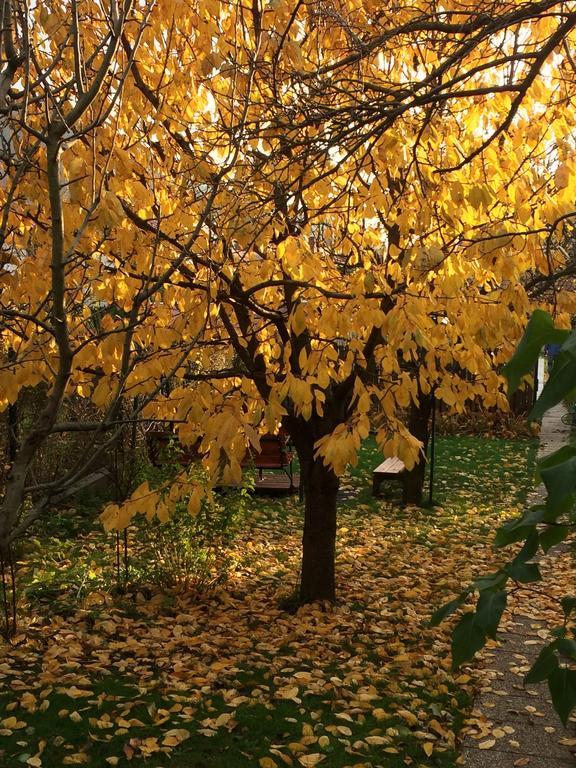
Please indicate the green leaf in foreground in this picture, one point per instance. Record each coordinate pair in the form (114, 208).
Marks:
(561, 384)
(539, 332)
(562, 685)
(558, 473)
(468, 638)
(545, 664)
(447, 609)
(525, 573)
(491, 605)
(568, 604)
(544, 525)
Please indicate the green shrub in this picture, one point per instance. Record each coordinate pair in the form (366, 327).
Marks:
(191, 553)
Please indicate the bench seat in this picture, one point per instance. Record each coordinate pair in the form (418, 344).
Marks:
(390, 469)
(259, 461)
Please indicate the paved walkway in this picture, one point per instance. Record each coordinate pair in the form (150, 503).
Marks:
(512, 726)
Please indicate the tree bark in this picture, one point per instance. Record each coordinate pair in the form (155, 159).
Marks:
(418, 424)
(318, 578)
(319, 486)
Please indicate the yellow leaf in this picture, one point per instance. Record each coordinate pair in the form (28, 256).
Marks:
(28, 701)
(175, 736)
(410, 717)
(562, 177)
(194, 502)
(267, 762)
(13, 723)
(480, 197)
(488, 744)
(428, 747)
(298, 320)
(376, 740)
(222, 719)
(309, 761)
(289, 692)
(79, 758)
(74, 692)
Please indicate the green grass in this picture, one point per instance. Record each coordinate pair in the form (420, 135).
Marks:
(253, 731)
(373, 644)
(468, 470)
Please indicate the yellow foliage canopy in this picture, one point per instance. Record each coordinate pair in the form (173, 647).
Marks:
(294, 212)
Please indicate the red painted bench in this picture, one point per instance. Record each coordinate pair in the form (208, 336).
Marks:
(274, 454)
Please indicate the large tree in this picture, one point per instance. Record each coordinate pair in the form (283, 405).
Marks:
(396, 173)
(333, 205)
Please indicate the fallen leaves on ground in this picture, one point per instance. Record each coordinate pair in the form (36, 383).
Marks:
(364, 682)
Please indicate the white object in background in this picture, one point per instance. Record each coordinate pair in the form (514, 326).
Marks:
(540, 376)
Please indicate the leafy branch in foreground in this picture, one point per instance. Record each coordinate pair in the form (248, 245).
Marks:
(540, 527)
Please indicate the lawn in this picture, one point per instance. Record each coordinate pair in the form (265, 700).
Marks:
(238, 678)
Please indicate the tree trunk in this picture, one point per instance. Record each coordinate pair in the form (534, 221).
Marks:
(13, 421)
(36, 436)
(319, 486)
(13, 426)
(318, 579)
(418, 424)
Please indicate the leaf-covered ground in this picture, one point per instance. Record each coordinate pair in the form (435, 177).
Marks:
(237, 679)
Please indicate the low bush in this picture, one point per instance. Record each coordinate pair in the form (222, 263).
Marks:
(191, 553)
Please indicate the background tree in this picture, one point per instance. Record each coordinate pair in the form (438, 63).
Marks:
(78, 317)
(61, 86)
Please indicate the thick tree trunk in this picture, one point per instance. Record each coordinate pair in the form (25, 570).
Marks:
(319, 486)
(318, 579)
(418, 424)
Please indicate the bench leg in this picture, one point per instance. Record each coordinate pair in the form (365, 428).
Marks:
(376, 482)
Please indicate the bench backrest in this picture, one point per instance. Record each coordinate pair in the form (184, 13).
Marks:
(273, 452)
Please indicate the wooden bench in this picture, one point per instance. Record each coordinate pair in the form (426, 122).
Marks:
(163, 447)
(274, 454)
(390, 469)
